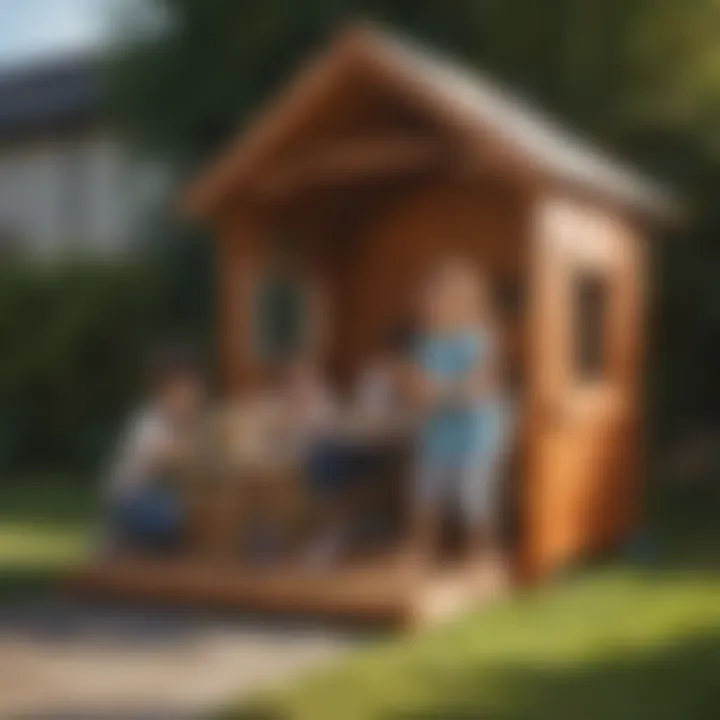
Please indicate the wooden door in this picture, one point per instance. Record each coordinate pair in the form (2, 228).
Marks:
(584, 406)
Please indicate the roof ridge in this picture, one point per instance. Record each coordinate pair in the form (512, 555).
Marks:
(477, 105)
(49, 65)
(517, 114)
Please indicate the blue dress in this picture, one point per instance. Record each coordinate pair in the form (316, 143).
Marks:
(458, 434)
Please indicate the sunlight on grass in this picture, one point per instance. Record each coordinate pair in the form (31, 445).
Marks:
(34, 544)
(567, 641)
(46, 526)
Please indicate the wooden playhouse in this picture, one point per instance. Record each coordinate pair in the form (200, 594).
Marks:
(381, 159)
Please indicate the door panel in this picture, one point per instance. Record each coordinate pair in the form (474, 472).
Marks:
(585, 424)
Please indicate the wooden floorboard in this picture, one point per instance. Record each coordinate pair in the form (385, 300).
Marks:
(375, 591)
(379, 591)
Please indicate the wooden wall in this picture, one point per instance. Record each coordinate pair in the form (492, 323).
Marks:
(583, 472)
(376, 287)
(581, 441)
(368, 261)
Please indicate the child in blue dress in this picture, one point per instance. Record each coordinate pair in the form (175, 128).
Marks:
(463, 431)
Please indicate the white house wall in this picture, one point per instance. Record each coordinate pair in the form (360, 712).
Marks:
(83, 192)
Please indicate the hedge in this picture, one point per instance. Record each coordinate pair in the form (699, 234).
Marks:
(73, 342)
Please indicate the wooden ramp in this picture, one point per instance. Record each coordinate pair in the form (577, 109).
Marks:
(381, 591)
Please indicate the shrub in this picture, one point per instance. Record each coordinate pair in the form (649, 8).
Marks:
(74, 338)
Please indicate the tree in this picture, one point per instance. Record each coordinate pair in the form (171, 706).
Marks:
(609, 66)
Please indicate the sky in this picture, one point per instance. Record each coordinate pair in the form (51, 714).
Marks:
(33, 29)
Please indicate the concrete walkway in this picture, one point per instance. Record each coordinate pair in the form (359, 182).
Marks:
(88, 662)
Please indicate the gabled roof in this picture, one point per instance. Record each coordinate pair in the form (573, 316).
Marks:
(58, 93)
(477, 109)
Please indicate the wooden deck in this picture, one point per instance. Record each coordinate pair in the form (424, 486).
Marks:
(380, 591)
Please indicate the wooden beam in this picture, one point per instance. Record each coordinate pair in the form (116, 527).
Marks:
(351, 160)
(240, 256)
(314, 86)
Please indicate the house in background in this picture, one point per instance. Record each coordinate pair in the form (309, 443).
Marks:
(66, 184)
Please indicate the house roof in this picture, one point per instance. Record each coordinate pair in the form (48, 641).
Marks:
(55, 94)
(477, 108)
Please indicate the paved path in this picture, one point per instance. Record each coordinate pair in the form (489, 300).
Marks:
(88, 662)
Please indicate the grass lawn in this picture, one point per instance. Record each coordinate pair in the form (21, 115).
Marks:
(45, 526)
(628, 641)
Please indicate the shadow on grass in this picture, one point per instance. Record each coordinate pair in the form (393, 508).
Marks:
(49, 500)
(665, 683)
(21, 583)
(673, 682)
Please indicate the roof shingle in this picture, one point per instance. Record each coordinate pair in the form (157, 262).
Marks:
(58, 94)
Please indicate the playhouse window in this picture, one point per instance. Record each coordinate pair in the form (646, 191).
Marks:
(510, 297)
(590, 328)
(281, 317)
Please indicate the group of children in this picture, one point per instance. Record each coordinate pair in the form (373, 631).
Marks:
(444, 378)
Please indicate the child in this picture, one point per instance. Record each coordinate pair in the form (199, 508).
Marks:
(145, 510)
(456, 386)
(379, 392)
(348, 465)
(307, 405)
(331, 464)
(312, 412)
(293, 420)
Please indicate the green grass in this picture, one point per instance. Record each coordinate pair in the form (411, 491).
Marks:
(46, 526)
(621, 642)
